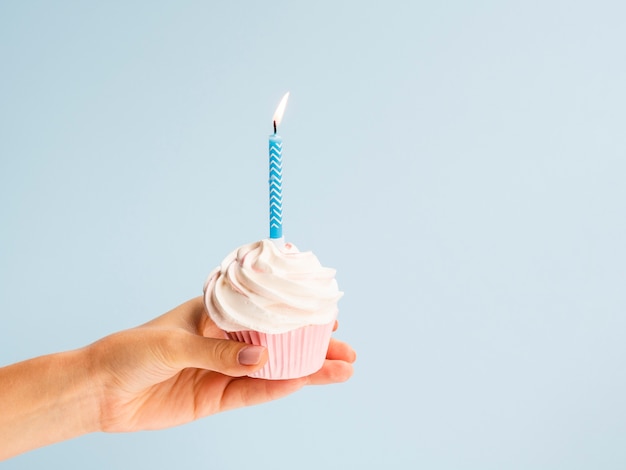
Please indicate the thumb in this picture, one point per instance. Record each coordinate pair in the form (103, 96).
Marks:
(221, 355)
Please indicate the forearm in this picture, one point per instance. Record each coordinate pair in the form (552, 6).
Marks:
(45, 400)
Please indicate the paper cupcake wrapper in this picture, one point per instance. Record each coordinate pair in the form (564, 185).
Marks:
(293, 354)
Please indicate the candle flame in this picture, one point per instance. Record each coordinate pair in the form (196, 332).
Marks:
(278, 115)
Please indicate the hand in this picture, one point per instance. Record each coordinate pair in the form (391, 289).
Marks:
(178, 368)
(174, 369)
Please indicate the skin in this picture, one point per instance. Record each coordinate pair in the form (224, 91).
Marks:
(172, 370)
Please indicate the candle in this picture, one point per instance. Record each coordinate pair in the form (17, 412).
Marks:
(276, 175)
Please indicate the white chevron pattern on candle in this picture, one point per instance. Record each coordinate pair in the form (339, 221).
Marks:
(276, 189)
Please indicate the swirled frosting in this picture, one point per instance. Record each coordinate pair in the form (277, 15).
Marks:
(263, 288)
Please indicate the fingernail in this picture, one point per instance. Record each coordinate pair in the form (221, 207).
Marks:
(250, 355)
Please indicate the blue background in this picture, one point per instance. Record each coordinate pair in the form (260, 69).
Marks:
(461, 164)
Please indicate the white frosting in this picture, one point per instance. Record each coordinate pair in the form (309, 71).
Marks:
(263, 288)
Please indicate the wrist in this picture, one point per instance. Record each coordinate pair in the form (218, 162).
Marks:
(82, 398)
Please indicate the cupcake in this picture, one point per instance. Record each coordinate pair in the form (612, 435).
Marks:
(279, 298)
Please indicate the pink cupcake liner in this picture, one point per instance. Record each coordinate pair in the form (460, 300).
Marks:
(293, 354)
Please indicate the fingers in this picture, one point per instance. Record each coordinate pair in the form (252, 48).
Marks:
(234, 359)
(331, 372)
(198, 349)
(247, 391)
(337, 366)
(340, 351)
(190, 316)
(221, 355)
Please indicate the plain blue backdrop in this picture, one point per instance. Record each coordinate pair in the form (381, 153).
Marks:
(461, 164)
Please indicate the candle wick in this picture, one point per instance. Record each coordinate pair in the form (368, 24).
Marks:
(274, 127)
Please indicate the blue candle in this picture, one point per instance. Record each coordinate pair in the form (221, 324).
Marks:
(276, 186)
(276, 175)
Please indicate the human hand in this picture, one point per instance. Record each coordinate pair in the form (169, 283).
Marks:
(178, 368)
